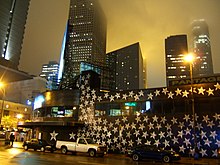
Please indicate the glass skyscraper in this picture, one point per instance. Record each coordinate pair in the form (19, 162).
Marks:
(126, 66)
(203, 65)
(13, 15)
(175, 49)
(85, 39)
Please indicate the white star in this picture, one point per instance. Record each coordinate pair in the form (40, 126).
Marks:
(185, 93)
(157, 143)
(138, 119)
(218, 143)
(174, 120)
(180, 133)
(166, 143)
(163, 120)
(210, 91)
(148, 142)
(215, 153)
(170, 95)
(187, 142)
(206, 118)
(155, 118)
(141, 93)
(137, 133)
(127, 126)
(117, 121)
(145, 134)
(210, 124)
(93, 91)
(111, 98)
(146, 119)
(131, 93)
(130, 143)
(168, 126)
(106, 95)
(169, 134)
(115, 139)
(153, 135)
(53, 135)
(124, 119)
(203, 152)
(128, 134)
(217, 86)
(151, 126)
(175, 140)
(72, 136)
(115, 129)
(110, 125)
(181, 125)
(213, 134)
(133, 126)
(178, 91)
(138, 141)
(162, 134)
(186, 118)
(124, 96)
(182, 149)
(108, 134)
(165, 91)
(141, 127)
(150, 96)
(207, 142)
(117, 95)
(201, 91)
(157, 93)
(136, 97)
(217, 117)
(187, 131)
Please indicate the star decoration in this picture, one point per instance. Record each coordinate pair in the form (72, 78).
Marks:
(150, 96)
(131, 93)
(72, 136)
(124, 96)
(178, 91)
(165, 91)
(117, 95)
(210, 91)
(53, 135)
(217, 86)
(185, 93)
(201, 91)
(157, 93)
(141, 93)
(170, 95)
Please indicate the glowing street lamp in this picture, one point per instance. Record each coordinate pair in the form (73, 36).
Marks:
(190, 59)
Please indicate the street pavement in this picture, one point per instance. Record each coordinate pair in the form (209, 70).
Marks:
(184, 160)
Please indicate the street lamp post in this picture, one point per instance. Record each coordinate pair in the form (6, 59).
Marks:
(3, 99)
(189, 58)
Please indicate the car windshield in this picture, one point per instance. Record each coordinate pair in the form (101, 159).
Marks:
(90, 141)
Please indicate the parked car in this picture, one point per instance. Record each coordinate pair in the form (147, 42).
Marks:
(152, 152)
(38, 144)
(83, 145)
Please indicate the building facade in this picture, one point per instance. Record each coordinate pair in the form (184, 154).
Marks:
(175, 49)
(203, 65)
(85, 38)
(50, 73)
(13, 15)
(127, 71)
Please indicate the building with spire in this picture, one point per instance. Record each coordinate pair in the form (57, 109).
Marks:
(85, 39)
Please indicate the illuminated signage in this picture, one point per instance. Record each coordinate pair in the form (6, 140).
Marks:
(131, 104)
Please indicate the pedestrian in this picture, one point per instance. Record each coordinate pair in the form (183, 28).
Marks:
(12, 138)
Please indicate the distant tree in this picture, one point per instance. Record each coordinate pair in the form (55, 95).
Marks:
(9, 122)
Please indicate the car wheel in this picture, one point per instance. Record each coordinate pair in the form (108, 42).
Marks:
(166, 159)
(42, 149)
(63, 150)
(26, 147)
(135, 157)
(92, 153)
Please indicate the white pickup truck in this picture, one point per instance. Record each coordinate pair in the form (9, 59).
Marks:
(85, 145)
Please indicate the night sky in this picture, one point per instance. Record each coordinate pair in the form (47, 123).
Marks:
(146, 21)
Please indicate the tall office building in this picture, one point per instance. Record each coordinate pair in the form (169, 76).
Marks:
(85, 39)
(127, 68)
(175, 48)
(13, 15)
(50, 73)
(203, 65)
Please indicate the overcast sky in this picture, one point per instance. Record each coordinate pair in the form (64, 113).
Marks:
(146, 21)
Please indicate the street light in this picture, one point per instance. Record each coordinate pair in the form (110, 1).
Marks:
(2, 87)
(190, 58)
